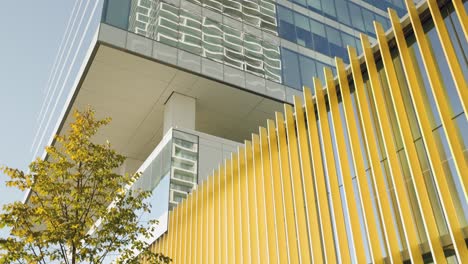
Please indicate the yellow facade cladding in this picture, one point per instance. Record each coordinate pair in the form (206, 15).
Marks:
(356, 173)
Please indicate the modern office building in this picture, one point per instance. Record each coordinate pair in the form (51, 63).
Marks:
(366, 164)
(369, 166)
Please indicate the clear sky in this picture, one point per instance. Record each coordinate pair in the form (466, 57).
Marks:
(31, 33)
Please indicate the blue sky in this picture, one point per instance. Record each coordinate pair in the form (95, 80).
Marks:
(31, 33)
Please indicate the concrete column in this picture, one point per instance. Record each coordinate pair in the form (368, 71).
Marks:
(179, 111)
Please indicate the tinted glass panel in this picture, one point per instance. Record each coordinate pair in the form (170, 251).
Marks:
(342, 11)
(328, 8)
(334, 39)
(286, 24)
(304, 36)
(356, 15)
(117, 13)
(314, 5)
(368, 19)
(308, 70)
(291, 73)
(319, 37)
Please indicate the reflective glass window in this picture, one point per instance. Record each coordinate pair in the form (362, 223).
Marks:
(342, 11)
(272, 61)
(314, 5)
(190, 35)
(380, 4)
(291, 72)
(212, 37)
(301, 2)
(319, 37)
(328, 8)
(335, 44)
(356, 17)
(233, 47)
(213, 4)
(368, 21)
(286, 24)
(268, 16)
(253, 54)
(168, 25)
(308, 70)
(251, 12)
(304, 36)
(233, 8)
(116, 13)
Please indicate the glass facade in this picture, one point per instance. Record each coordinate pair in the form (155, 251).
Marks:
(218, 30)
(380, 142)
(317, 34)
(334, 8)
(298, 69)
(182, 25)
(173, 165)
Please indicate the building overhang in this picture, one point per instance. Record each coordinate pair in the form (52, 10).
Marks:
(133, 89)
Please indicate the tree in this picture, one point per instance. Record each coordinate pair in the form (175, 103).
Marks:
(79, 208)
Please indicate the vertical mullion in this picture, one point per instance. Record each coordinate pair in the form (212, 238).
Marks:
(244, 195)
(170, 245)
(183, 228)
(440, 97)
(186, 234)
(190, 224)
(449, 51)
(398, 181)
(223, 192)
(204, 219)
(236, 205)
(425, 207)
(211, 219)
(332, 175)
(178, 213)
(244, 206)
(269, 204)
(319, 177)
(350, 199)
(435, 161)
(378, 179)
(216, 216)
(360, 170)
(287, 187)
(280, 218)
(229, 221)
(308, 183)
(295, 169)
(260, 194)
(252, 204)
(176, 231)
(195, 227)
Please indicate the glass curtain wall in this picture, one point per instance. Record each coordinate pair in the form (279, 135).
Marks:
(181, 24)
